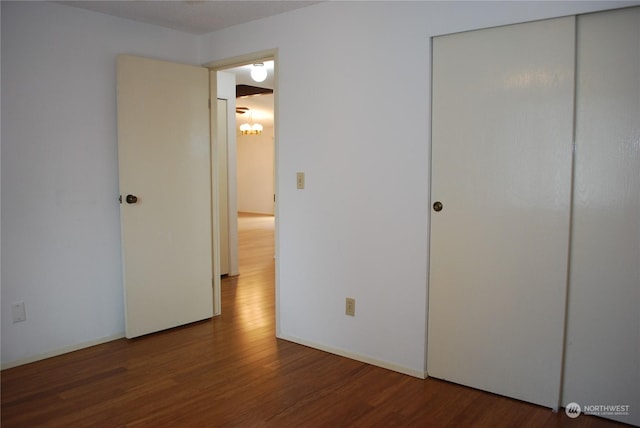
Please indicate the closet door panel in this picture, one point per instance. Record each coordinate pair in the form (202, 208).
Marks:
(603, 330)
(502, 134)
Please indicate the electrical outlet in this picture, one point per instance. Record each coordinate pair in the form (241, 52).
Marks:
(18, 312)
(350, 307)
(300, 180)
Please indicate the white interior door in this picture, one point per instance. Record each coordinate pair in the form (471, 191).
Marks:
(501, 167)
(603, 330)
(164, 161)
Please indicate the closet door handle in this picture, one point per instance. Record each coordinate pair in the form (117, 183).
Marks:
(437, 206)
(131, 199)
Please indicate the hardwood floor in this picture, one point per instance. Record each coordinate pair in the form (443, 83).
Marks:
(231, 371)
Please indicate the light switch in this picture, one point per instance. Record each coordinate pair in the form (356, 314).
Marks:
(300, 180)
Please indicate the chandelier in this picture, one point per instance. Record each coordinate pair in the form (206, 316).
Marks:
(251, 127)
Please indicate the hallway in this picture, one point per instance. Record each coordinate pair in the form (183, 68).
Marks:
(248, 300)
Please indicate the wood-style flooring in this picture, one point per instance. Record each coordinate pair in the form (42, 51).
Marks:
(231, 371)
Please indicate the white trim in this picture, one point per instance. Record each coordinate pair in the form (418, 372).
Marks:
(256, 213)
(236, 61)
(61, 351)
(362, 358)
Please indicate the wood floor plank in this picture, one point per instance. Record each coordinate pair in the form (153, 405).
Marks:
(231, 371)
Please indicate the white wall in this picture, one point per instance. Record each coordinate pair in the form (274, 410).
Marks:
(353, 113)
(60, 215)
(255, 172)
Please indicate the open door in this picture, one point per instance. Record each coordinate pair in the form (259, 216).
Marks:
(165, 186)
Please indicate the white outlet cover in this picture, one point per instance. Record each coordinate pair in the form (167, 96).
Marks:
(18, 312)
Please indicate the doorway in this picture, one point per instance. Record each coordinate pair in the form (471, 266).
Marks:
(250, 160)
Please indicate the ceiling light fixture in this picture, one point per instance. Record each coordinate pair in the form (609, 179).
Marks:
(259, 72)
(255, 129)
(251, 128)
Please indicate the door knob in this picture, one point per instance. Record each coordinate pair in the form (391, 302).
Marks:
(437, 206)
(131, 199)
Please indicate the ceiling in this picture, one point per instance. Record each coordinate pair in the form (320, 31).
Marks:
(243, 75)
(193, 16)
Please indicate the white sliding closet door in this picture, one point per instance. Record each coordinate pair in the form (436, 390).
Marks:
(603, 335)
(501, 167)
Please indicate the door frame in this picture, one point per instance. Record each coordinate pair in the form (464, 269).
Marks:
(222, 65)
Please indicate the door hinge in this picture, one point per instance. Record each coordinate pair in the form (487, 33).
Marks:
(209, 103)
(120, 198)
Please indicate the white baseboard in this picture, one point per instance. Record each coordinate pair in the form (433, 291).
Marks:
(384, 364)
(256, 213)
(57, 352)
